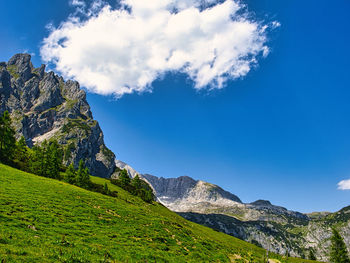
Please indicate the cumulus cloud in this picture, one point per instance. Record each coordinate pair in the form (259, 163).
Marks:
(121, 51)
(344, 185)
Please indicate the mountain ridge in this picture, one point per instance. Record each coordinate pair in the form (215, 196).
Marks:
(272, 227)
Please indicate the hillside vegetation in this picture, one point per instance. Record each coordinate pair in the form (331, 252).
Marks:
(45, 220)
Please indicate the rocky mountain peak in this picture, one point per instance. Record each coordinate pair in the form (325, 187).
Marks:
(170, 188)
(21, 64)
(261, 203)
(43, 106)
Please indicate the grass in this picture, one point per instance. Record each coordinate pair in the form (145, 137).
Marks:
(76, 123)
(70, 103)
(12, 69)
(45, 220)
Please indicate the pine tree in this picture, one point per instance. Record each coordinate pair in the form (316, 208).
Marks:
(7, 138)
(54, 160)
(21, 149)
(44, 162)
(338, 253)
(86, 178)
(21, 155)
(70, 176)
(106, 190)
(124, 179)
(83, 175)
(36, 160)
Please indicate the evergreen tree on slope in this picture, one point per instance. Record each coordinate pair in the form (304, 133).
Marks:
(339, 252)
(7, 138)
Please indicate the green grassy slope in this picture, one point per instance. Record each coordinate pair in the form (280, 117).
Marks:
(44, 220)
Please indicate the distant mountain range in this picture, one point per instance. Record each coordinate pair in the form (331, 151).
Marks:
(272, 227)
(44, 106)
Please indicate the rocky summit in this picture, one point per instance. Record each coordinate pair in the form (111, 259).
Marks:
(43, 106)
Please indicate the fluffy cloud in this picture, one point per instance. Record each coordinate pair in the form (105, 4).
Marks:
(121, 51)
(344, 185)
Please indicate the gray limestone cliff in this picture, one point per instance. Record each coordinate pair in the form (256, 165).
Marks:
(44, 106)
(183, 193)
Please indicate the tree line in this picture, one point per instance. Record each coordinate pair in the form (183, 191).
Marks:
(135, 186)
(46, 159)
(339, 252)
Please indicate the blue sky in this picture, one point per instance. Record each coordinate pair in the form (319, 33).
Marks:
(280, 132)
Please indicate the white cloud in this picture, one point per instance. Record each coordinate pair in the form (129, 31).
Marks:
(344, 185)
(123, 51)
(77, 3)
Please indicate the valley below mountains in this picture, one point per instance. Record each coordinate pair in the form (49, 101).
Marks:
(43, 106)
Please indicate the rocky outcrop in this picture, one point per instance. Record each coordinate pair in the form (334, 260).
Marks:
(43, 106)
(121, 165)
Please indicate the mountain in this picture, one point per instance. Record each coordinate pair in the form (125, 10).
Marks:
(45, 220)
(43, 106)
(184, 193)
(272, 227)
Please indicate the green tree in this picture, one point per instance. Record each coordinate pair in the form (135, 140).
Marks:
(106, 190)
(21, 158)
(82, 175)
(70, 176)
(7, 138)
(338, 253)
(44, 162)
(136, 182)
(54, 160)
(39, 159)
(312, 255)
(124, 179)
(36, 160)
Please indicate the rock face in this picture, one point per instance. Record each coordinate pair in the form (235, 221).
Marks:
(183, 193)
(121, 165)
(43, 106)
(272, 227)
